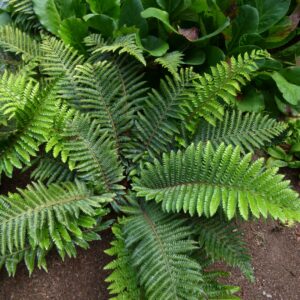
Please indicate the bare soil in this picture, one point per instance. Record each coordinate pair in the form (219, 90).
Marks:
(275, 250)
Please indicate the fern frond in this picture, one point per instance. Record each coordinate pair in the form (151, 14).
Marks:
(34, 115)
(161, 246)
(123, 282)
(157, 123)
(38, 217)
(222, 242)
(14, 40)
(59, 62)
(201, 179)
(249, 131)
(93, 153)
(214, 290)
(171, 61)
(23, 14)
(122, 44)
(51, 170)
(221, 86)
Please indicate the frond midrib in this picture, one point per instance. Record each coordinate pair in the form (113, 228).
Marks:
(161, 246)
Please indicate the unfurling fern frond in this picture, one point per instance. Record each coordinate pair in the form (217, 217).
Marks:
(222, 242)
(171, 61)
(23, 14)
(161, 245)
(37, 218)
(14, 40)
(201, 179)
(220, 86)
(249, 131)
(157, 123)
(123, 282)
(123, 44)
(34, 113)
(59, 62)
(50, 170)
(93, 153)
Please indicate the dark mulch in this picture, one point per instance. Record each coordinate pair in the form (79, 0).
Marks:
(275, 250)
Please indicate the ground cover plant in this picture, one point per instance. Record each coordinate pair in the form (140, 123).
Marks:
(173, 158)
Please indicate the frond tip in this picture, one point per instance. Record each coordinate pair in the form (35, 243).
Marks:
(201, 180)
(249, 131)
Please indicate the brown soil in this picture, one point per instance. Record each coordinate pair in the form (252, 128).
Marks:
(276, 259)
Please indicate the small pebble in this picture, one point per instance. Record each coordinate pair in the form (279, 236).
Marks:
(267, 295)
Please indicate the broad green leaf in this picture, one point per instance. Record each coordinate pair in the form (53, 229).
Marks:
(131, 15)
(107, 7)
(48, 14)
(72, 31)
(4, 18)
(292, 74)
(252, 101)
(194, 57)
(169, 5)
(270, 12)
(290, 92)
(103, 23)
(155, 46)
(160, 15)
(246, 22)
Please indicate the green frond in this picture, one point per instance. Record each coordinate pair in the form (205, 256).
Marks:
(15, 90)
(123, 282)
(23, 14)
(59, 62)
(223, 242)
(101, 96)
(201, 179)
(52, 170)
(249, 131)
(122, 44)
(93, 153)
(214, 290)
(34, 112)
(157, 123)
(171, 61)
(39, 217)
(221, 86)
(31, 257)
(16, 41)
(161, 245)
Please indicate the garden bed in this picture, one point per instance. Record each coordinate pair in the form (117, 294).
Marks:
(275, 250)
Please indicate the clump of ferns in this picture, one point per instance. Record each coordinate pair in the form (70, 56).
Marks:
(186, 159)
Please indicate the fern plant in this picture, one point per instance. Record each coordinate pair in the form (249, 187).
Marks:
(171, 160)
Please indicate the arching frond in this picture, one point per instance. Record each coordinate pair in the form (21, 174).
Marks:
(23, 14)
(93, 153)
(249, 131)
(157, 123)
(222, 84)
(34, 113)
(200, 179)
(122, 44)
(171, 61)
(59, 62)
(223, 242)
(107, 100)
(38, 217)
(123, 282)
(14, 40)
(52, 170)
(161, 247)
